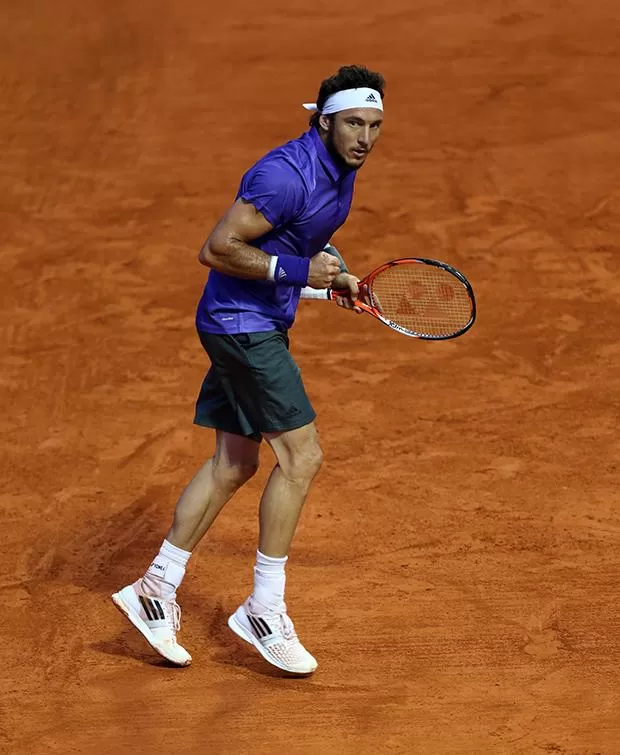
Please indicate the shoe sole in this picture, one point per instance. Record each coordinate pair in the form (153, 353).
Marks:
(137, 622)
(241, 631)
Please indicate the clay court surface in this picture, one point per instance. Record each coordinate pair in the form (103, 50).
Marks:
(456, 569)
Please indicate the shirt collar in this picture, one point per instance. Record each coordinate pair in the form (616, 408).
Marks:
(335, 170)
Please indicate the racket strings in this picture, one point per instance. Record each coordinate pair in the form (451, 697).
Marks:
(425, 299)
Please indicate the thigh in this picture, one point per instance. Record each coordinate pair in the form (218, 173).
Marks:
(235, 450)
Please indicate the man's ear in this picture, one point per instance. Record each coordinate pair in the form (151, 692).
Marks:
(325, 122)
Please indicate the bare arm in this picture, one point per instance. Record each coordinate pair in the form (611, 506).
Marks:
(228, 250)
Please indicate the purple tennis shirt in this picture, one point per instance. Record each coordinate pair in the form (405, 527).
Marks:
(305, 194)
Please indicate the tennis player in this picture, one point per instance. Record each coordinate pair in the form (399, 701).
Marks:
(268, 250)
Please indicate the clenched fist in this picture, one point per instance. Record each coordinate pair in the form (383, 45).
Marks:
(323, 269)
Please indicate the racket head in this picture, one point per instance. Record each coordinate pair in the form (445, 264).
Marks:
(420, 298)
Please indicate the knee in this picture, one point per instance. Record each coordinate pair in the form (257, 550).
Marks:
(304, 462)
(235, 475)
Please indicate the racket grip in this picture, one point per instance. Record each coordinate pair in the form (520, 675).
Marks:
(307, 292)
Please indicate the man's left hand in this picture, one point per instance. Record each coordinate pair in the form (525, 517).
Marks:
(348, 282)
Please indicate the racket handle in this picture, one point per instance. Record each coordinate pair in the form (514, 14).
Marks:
(307, 292)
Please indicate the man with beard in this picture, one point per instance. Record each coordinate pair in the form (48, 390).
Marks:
(268, 250)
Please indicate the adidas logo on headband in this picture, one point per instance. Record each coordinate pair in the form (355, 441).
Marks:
(371, 98)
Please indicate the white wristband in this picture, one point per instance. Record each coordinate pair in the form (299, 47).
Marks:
(271, 271)
(315, 293)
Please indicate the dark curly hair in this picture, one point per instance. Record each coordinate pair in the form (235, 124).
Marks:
(348, 77)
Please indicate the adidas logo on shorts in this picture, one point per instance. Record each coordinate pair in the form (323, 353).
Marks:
(371, 98)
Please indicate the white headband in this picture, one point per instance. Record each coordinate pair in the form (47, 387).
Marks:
(348, 99)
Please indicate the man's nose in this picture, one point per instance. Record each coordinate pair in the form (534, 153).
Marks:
(364, 136)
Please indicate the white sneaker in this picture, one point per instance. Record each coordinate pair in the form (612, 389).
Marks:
(158, 620)
(273, 635)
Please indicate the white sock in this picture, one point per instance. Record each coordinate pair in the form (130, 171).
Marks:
(164, 576)
(269, 580)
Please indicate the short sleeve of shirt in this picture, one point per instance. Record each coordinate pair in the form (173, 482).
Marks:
(275, 189)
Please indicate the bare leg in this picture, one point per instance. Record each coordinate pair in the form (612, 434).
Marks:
(262, 620)
(235, 461)
(150, 603)
(299, 458)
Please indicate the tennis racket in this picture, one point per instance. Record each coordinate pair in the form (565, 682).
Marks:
(417, 297)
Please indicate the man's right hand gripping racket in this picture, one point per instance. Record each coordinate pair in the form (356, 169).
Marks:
(417, 297)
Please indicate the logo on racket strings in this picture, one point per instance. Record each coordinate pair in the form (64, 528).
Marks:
(415, 292)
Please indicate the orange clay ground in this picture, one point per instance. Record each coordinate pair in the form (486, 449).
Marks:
(456, 569)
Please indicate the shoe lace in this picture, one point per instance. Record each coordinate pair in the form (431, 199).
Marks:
(172, 612)
(288, 629)
(280, 615)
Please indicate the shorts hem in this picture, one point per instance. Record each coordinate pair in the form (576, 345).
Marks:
(210, 425)
(282, 428)
(293, 425)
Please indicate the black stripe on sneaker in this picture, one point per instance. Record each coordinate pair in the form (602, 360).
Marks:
(256, 626)
(158, 611)
(265, 625)
(145, 605)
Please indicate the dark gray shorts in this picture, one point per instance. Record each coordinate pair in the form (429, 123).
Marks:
(253, 385)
